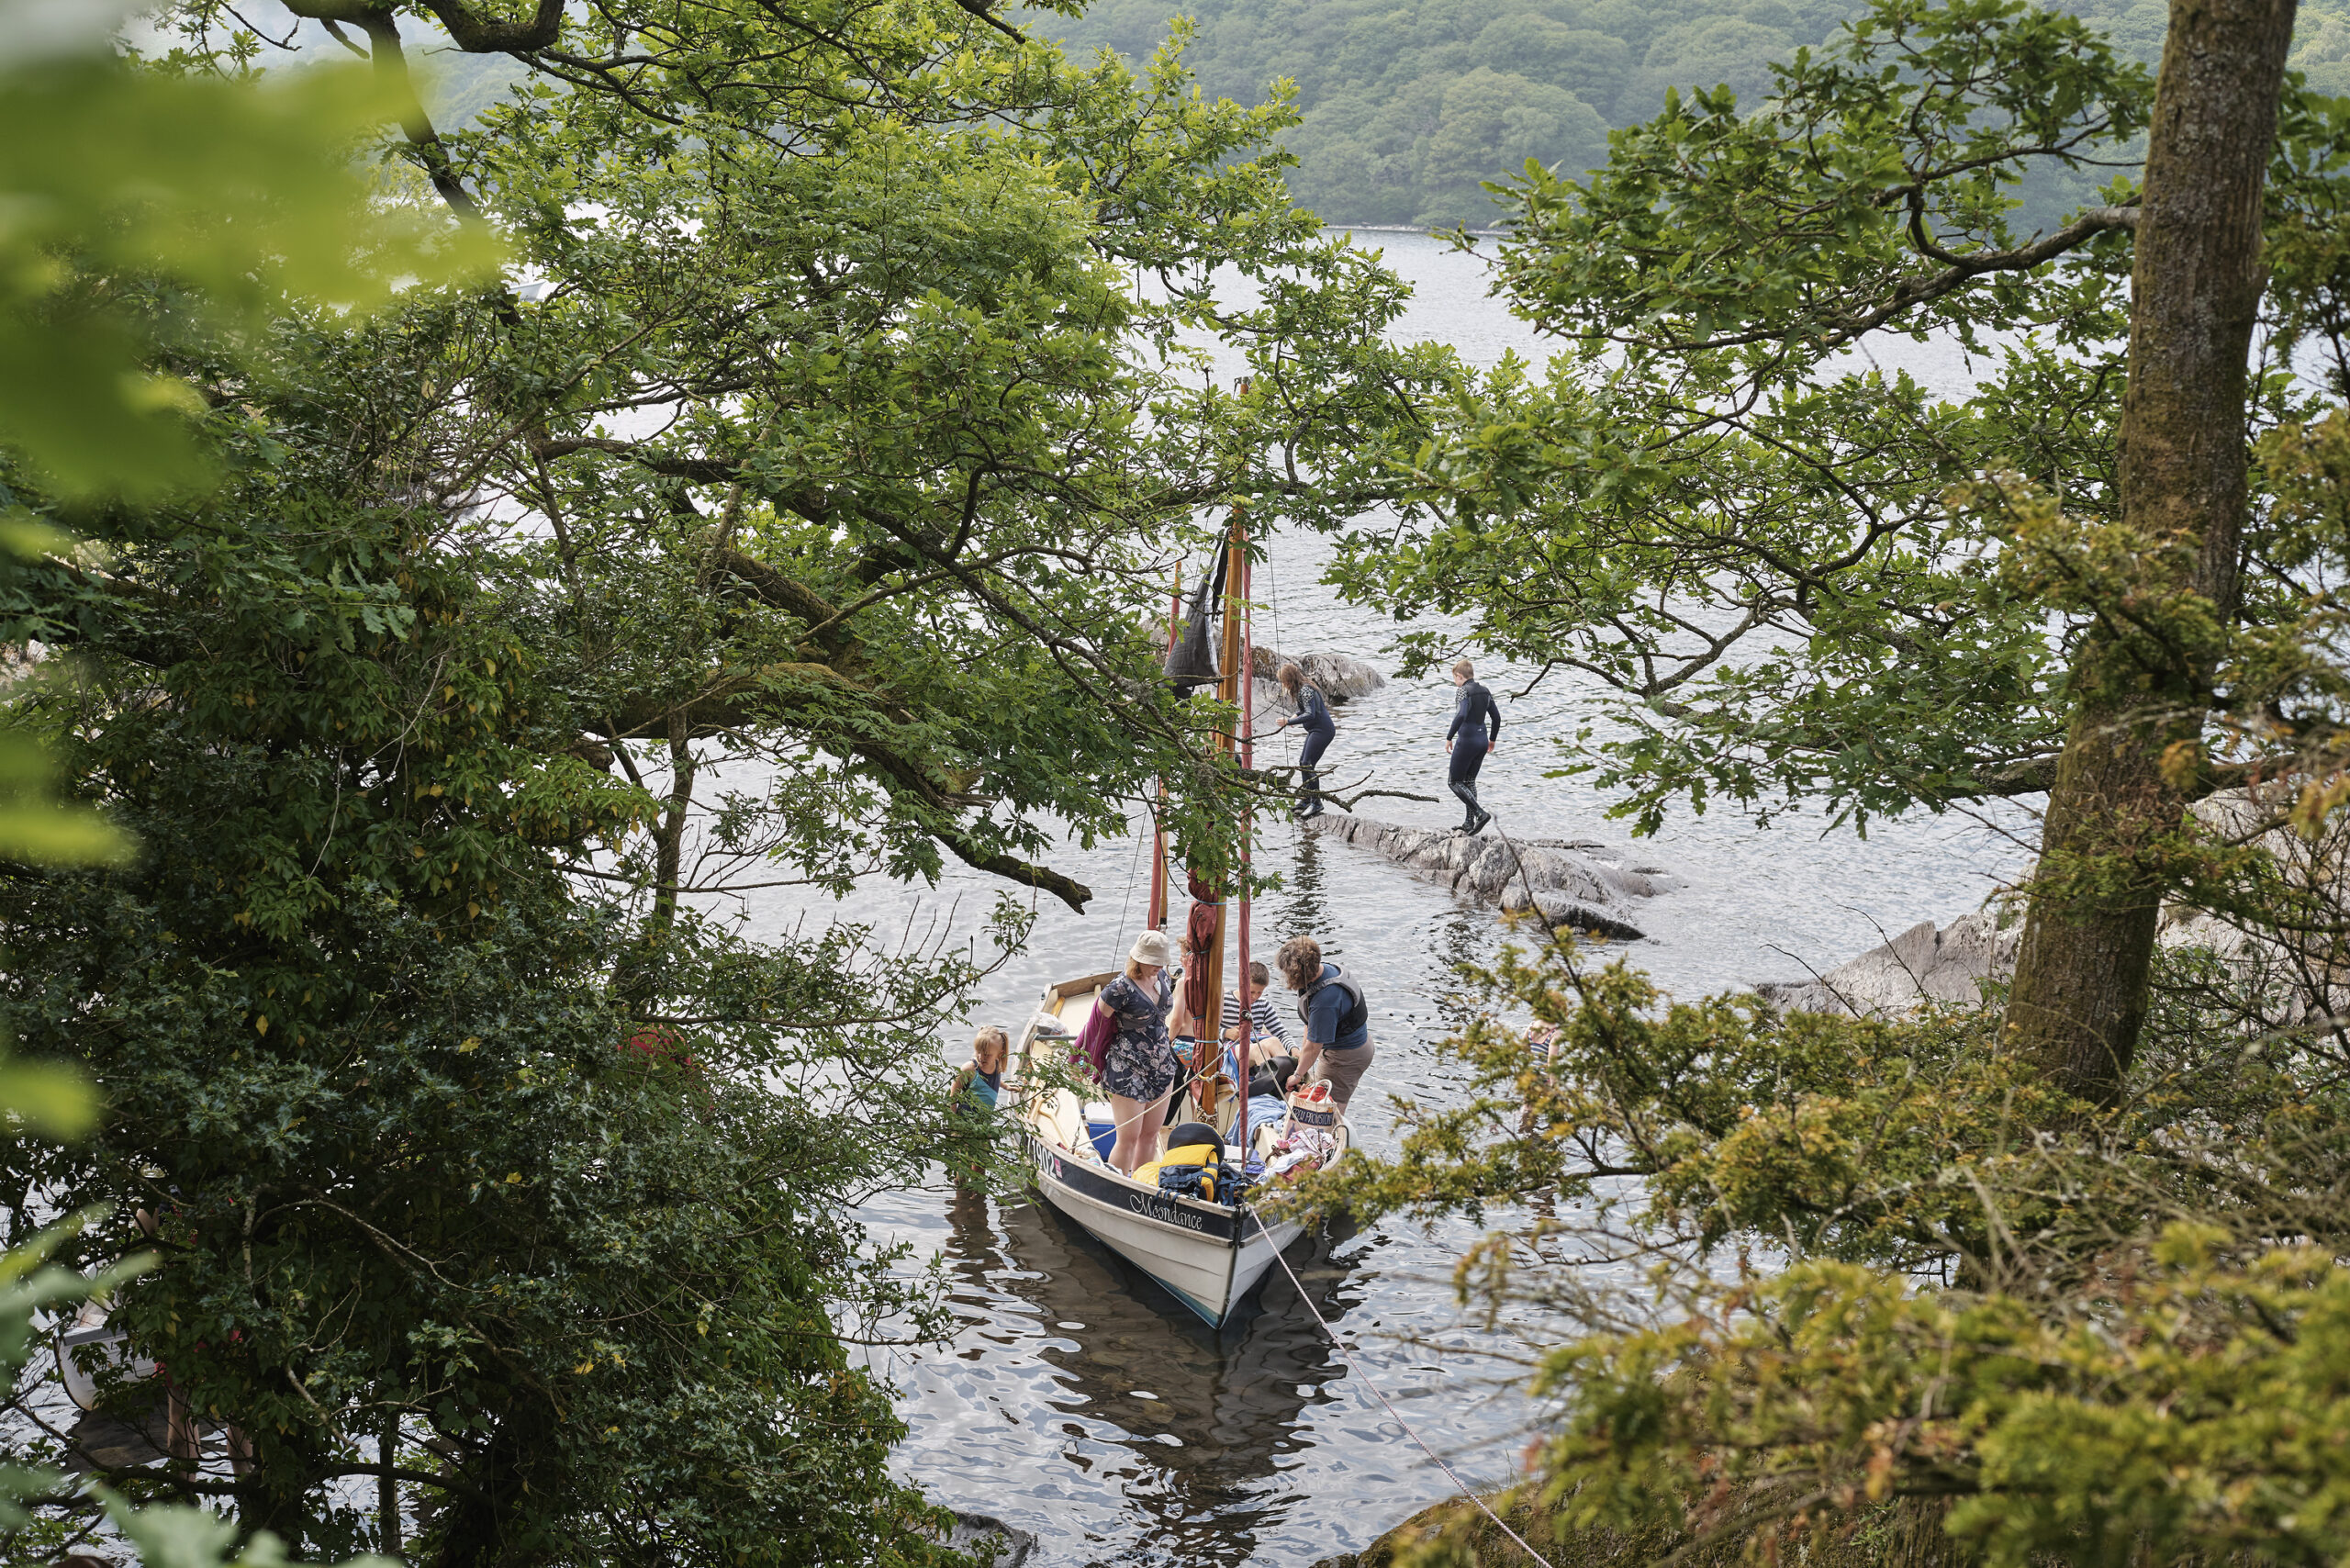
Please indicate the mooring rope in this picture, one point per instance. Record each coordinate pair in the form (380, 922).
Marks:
(1273, 604)
(1450, 1474)
(1127, 908)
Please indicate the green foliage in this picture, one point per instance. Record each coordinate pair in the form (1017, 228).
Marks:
(110, 193)
(1699, 1124)
(791, 525)
(2191, 1410)
(1792, 575)
(1409, 107)
(1880, 1269)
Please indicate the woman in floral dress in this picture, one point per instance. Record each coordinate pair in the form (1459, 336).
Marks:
(1140, 1065)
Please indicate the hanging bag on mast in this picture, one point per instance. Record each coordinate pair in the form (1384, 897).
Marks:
(1191, 661)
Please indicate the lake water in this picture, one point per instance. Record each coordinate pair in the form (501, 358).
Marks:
(1081, 1403)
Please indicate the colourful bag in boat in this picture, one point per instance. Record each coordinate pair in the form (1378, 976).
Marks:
(1188, 1182)
(1189, 1171)
(1091, 1052)
(1191, 1157)
(1308, 1109)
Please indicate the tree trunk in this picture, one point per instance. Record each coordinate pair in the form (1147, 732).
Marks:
(388, 1489)
(2081, 978)
(475, 1529)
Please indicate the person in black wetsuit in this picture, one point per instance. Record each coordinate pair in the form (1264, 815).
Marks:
(1476, 727)
(1313, 716)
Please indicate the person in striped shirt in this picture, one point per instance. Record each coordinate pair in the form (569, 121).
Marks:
(1270, 1039)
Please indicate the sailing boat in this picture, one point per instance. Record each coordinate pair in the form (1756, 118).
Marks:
(1209, 1254)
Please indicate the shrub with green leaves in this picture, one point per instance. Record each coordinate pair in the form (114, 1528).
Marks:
(1863, 1287)
(790, 524)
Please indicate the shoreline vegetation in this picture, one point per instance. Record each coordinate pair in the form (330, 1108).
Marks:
(441, 655)
(1457, 1535)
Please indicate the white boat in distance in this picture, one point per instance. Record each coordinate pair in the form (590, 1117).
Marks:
(1211, 1255)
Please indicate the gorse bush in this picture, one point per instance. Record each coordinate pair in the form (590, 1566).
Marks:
(1882, 1262)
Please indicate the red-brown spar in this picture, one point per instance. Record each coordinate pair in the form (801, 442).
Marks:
(1209, 1252)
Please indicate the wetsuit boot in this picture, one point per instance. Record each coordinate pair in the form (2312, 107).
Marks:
(1465, 789)
(1468, 759)
(1310, 804)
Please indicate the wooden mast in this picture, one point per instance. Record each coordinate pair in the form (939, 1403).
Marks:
(1240, 876)
(1210, 1045)
(1156, 917)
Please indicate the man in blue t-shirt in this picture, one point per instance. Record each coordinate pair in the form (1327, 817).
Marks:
(1338, 1048)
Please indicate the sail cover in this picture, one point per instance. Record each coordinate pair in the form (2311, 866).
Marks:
(1190, 663)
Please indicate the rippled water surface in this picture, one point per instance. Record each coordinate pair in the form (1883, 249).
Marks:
(1081, 1403)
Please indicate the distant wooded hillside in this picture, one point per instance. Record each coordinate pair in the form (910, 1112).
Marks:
(1410, 104)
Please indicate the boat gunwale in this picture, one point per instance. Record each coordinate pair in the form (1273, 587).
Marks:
(1218, 1213)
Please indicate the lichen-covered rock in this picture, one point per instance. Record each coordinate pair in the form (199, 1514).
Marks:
(1341, 677)
(1920, 966)
(1571, 882)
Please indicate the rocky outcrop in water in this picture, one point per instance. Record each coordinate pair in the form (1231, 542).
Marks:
(1921, 966)
(979, 1534)
(2304, 971)
(1341, 677)
(1572, 882)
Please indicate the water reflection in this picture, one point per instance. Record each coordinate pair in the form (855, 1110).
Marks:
(1301, 903)
(1465, 937)
(1191, 1426)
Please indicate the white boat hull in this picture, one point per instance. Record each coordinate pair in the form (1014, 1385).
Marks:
(1206, 1266)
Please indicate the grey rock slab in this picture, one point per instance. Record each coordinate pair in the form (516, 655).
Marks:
(1921, 965)
(1561, 878)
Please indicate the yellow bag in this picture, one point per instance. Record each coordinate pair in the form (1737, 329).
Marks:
(1189, 1154)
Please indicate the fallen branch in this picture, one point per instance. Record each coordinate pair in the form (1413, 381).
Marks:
(1339, 794)
(1347, 802)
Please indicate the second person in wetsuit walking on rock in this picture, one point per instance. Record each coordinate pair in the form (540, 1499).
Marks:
(1313, 716)
(1476, 727)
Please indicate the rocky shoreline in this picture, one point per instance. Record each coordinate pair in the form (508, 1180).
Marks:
(1949, 965)
(1574, 882)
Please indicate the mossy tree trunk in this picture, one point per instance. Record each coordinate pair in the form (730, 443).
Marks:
(2080, 992)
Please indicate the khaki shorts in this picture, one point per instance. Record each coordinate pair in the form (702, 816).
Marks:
(1343, 1070)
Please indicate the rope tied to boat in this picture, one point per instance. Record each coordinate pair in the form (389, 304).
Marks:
(1449, 1473)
